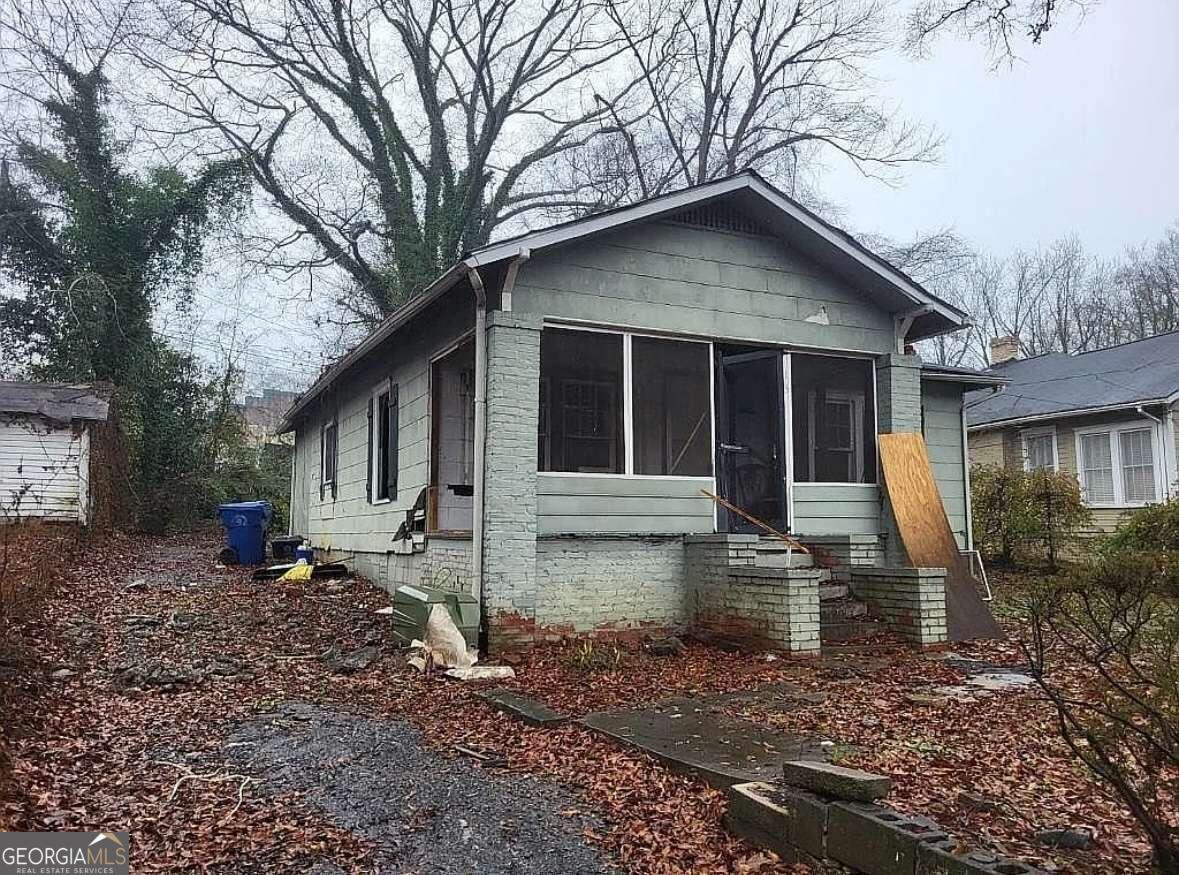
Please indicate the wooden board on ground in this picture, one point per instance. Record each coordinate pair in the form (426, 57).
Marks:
(926, 533)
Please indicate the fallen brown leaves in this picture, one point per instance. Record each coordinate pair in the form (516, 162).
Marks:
(92, 754)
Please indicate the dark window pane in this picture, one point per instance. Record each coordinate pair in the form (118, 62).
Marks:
(672, 407)
(392, 425)
(834, 407)
(329, 453)
(383, 446)
(580, 426)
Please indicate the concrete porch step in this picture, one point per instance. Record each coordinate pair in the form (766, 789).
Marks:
(832, 591)
(841, 610)
(850, 631)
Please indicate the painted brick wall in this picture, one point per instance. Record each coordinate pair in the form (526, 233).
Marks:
(777, 606)
(898, 409)
(898, 390)
(585, 583)
(910, 601)
(841, 553)
(509, 529)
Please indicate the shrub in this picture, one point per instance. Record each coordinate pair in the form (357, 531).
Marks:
(1105, 643)
(1024, 514)
(1155, 527)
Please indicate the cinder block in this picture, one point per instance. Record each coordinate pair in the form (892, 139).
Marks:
(835, 781)
(792, 820)
(942, 858)
(877, 840)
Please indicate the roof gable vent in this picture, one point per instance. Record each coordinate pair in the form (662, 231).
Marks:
(720, 217)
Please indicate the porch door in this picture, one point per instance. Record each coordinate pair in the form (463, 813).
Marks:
(751, 451)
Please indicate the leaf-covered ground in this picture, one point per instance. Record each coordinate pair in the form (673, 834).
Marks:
(148, 660)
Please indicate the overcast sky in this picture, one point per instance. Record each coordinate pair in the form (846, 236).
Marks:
(1082, 135)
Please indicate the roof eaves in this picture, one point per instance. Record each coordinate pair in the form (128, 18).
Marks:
(1066, 414)
(382, 332)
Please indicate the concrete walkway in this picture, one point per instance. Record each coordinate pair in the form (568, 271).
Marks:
(696, 737)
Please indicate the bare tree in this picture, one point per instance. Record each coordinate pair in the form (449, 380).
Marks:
(776, 85)
(395, 134)
(999, 23)
(1149, 280)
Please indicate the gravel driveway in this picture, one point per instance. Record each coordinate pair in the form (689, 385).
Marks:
(424, 813)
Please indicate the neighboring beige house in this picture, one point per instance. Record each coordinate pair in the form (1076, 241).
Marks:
(1107, 416)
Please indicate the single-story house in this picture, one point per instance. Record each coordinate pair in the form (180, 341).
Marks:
(48, 433)
(1106, 416)
(541, 424)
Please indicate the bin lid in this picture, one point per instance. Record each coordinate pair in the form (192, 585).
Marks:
(243, 512)
(245, 506)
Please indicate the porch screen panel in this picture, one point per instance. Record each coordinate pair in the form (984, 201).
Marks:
(833, 406)
(1097, 468)
(580, 424)
(672, 407)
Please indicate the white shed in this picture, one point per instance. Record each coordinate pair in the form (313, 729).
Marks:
(45, 449)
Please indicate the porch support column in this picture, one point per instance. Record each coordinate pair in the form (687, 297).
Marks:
(898, 409)
(509, 502)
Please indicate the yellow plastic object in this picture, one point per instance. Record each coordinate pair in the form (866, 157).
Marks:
(301, 571)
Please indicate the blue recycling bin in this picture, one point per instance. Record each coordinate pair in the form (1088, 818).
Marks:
(245, 525)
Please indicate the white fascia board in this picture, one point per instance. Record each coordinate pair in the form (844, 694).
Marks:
(1065, 414)
(862, 256)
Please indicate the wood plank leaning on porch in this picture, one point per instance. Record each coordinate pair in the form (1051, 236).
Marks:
(926, 533)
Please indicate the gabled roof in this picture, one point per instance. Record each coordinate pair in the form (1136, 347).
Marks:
(58, 401)
(1054, 385)
(810, 235)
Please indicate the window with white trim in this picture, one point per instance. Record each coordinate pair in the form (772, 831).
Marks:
(1117, 465)
(1039, 449)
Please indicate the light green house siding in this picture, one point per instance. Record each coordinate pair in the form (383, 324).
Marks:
(942, 427)
(349, 523)
(682, 279)
(672, 278)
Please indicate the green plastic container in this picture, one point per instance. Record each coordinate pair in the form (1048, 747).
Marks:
(412, 606)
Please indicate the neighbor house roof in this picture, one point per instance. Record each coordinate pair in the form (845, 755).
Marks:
(1054, 385)
(808, 234)
(59, 401)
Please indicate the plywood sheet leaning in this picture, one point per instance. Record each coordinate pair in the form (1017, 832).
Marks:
(926, 533)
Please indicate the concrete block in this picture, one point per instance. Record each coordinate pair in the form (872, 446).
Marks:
(531, 711)
(877, 840)
(791, 820)
(944, 858)
(838, 782)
